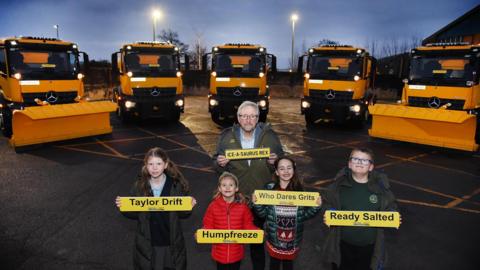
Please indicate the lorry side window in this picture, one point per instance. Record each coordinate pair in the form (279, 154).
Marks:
(3, 67)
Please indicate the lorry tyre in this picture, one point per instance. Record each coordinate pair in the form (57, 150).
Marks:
(215, 117)
(122, 114)
(6, 122)
(262, 117)
(309, 120)
(175, 117)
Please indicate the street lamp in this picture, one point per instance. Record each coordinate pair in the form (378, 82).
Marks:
(293, 18)
(156, 14)
(56, 26)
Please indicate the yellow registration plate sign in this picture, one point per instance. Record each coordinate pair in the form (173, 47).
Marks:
(385, 219)
(292, 198)
(233, 154)
(229, 236)
(146, 204)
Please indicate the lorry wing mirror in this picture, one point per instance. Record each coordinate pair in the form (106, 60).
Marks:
(85, 63)
(300, 64)
(205, 61)
(115, 69)
(186, 62)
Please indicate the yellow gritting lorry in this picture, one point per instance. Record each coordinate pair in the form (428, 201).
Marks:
(440, 102)
(338, 82)
(41, 93)
(150, 81)
(238, 72)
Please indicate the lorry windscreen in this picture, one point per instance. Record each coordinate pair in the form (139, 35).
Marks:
(455, 69)
(334, 67)
(152, 64)
(43, 64)
(238, 65)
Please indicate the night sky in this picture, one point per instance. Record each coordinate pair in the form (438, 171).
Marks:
(99, 27)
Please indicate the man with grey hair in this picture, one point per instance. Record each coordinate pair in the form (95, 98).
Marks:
(253, 173)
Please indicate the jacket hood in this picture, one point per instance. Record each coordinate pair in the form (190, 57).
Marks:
(374, 177)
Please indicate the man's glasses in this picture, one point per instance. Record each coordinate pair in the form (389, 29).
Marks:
(245, 116)
(362, 161)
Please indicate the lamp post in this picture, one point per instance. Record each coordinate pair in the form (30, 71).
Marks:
(156, 14)
(56, 26)
(293, 18)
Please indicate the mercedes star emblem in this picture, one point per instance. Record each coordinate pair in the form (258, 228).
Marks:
(155, 92)
(330, 94)
(237, 92)
(51, 97)
(434, 102)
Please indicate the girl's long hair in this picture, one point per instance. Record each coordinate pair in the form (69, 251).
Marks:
(296, 183)
(238, 195)
(143, 183)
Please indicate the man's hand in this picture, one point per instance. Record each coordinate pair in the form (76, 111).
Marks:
(272, 158)
(222, 160)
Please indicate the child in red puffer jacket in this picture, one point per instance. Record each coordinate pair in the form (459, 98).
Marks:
(228, 211)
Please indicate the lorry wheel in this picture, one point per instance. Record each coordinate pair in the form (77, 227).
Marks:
(309, 120)
(6, 122)
(215, 117)
(262, 117)
(175, 117)
(122, 115)
(477, 133)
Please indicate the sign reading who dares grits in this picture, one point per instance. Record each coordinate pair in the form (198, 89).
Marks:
(233, 154)
(289, 198)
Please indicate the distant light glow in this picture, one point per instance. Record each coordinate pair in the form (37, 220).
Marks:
(156, 14)
(294, 17)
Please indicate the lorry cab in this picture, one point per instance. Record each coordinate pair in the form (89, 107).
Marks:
(238, 72)
(440, 103)
(41, 92)
(338, 82)
(149, 81)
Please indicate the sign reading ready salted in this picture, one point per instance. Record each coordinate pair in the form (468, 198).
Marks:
(145, 204)
(229, 236)
(362, 218)
(294, 198)
(233, 154)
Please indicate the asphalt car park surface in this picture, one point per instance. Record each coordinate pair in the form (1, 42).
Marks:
(57, 200)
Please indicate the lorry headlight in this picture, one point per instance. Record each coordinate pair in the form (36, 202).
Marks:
(213, 102)
(305, 104)
(80, 76)
(129, 104)
(261, 74)
(17, 76)
(214, 74)
(129, 74)
(356, 77)
(262, 103)
(355, 108)
(179, 103)
(307, 76)
(179, 74)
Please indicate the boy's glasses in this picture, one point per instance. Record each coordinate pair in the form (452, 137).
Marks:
(362, 161)
(246, 116)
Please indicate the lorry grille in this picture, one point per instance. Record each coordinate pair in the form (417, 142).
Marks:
(237, 92)
(61, 97)
(154, 92)
(457, 104)
(330, 96)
